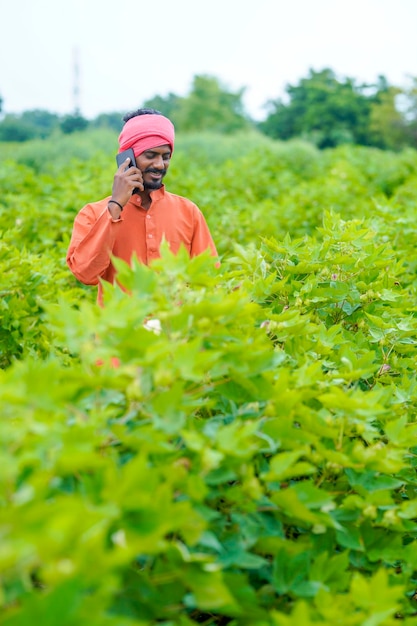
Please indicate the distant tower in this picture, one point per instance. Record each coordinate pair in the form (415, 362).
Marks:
(76, 83)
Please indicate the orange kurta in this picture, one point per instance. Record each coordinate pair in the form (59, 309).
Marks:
(96, 235)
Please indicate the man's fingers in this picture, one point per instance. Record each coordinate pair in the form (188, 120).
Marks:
(135, 178)
(124, 165)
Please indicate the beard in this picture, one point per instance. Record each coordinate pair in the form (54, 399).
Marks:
(157, 184)
(152, 186)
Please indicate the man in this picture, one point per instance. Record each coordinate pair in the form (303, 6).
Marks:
(140, 212)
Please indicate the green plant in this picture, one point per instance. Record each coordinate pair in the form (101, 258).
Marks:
(249, 458)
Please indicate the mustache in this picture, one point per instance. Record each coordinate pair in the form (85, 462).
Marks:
(152, 170)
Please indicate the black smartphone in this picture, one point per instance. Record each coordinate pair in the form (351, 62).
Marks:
(121, 158)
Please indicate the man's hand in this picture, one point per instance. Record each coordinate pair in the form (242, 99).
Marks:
(125, 181)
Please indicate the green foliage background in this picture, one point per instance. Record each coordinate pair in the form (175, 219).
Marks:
(252, 463)
(325, 109)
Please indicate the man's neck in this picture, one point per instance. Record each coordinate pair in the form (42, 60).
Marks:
(145, 198)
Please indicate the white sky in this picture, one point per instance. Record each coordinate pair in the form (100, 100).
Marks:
(131, 51)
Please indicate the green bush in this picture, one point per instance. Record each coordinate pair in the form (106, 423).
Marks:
(249, 460)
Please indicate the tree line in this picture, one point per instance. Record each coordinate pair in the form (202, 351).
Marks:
(321, 108)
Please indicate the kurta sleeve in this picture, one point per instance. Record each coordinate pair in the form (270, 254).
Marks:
(92, 241)
(202, 239)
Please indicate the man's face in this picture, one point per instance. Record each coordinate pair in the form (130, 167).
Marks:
(153, 164)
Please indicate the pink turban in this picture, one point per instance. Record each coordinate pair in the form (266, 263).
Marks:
(145, 132)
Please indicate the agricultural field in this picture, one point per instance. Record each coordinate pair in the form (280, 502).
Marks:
(251, 463)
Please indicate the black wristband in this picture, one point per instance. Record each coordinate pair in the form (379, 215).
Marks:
(115, 202)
